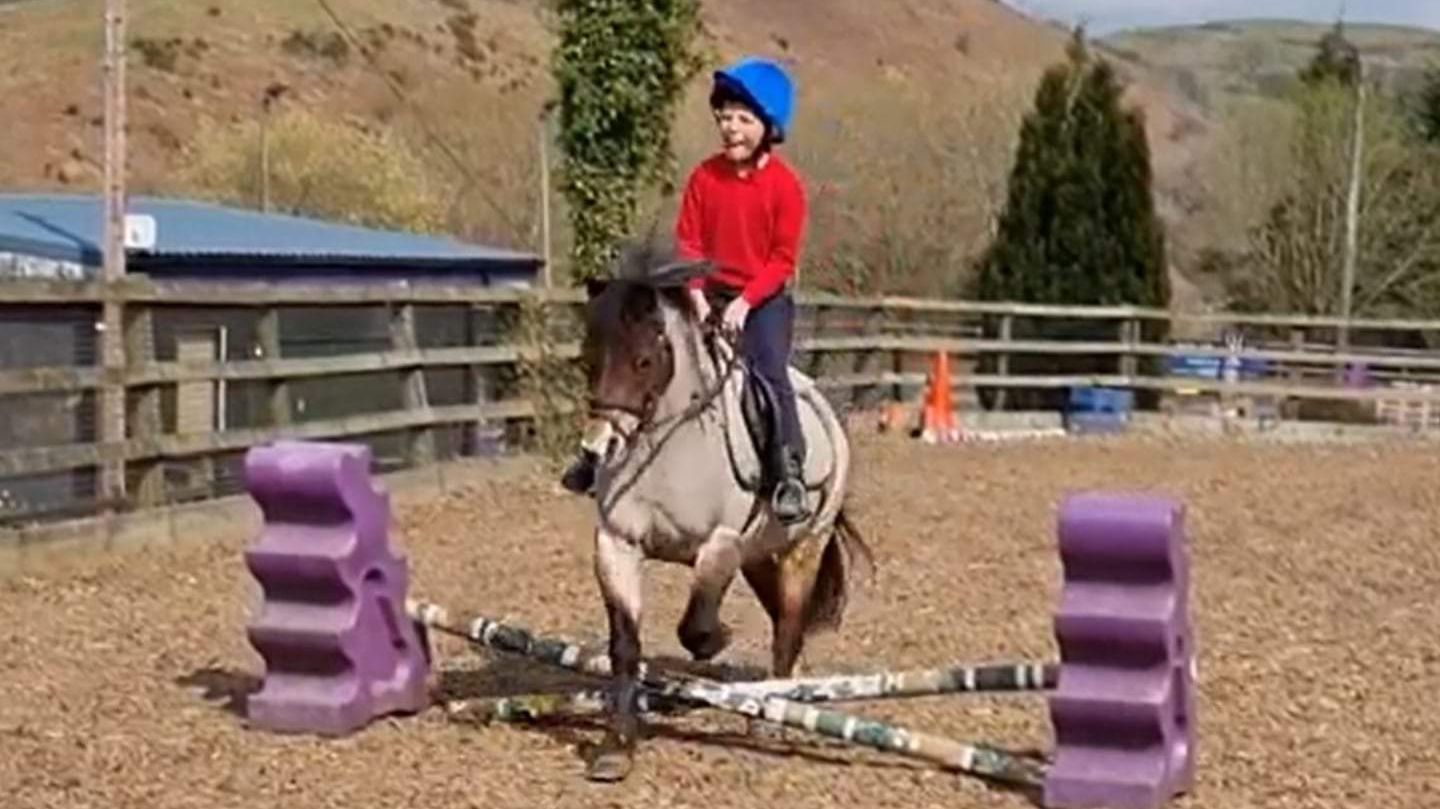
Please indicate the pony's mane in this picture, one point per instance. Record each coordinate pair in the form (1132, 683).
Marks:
(645, 275)
(639, 261)
(655, 264)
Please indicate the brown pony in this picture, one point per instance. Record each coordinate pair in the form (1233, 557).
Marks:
(677, 481)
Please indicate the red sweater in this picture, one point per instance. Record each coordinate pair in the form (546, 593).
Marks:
(749, 227)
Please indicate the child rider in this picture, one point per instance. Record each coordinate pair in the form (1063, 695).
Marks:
(744, 210)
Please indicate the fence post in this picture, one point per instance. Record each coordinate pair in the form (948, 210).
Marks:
(145, 417)
(278, 399)
(897, 356)
(477, 388)
(869, 362)
(111, 401)
(816, 360)
(1002, 363)
(1297, 343)
(420, 446)
(1130, 337)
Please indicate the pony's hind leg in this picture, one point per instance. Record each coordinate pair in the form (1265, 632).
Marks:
(782, 593)
(617, 569)
(783, 585)
(700, 630)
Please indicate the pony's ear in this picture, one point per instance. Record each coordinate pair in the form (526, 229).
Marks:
(595, 286)
(678, 273)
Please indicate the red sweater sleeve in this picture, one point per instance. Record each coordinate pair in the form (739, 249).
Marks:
(790, 213)
(689, 243)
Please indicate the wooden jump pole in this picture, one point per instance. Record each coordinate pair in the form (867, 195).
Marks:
(973, 759)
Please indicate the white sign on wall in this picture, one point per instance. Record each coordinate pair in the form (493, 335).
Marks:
(139, 231)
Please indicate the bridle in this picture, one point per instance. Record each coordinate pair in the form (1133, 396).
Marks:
(644, 415)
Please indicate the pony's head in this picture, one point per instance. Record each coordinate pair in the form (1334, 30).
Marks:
(628, 349)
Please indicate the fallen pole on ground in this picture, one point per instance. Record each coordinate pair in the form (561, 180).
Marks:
(981, 679)
(956, 679)
(973, 759)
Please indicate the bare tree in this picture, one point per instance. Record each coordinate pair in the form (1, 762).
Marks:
(1296, 256)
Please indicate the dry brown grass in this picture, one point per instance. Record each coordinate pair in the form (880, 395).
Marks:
(906, 123)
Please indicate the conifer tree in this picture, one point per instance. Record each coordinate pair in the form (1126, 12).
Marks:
(1079, 225)
(1335, 60)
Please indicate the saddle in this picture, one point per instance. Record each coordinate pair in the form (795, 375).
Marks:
(761, 417)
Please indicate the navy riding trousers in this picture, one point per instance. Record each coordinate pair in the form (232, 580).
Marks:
(766, 343)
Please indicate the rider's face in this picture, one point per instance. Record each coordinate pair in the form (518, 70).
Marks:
(741, 132)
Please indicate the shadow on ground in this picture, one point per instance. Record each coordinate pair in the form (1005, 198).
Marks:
(229, 687)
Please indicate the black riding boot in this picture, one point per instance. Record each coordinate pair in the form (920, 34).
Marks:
(580, 477)
(789, 498)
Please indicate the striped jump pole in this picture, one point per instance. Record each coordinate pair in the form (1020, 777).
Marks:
(957, 679)
(973, 759)
(989, 678)
(533, 707)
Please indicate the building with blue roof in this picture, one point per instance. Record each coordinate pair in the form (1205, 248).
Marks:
(61, 236)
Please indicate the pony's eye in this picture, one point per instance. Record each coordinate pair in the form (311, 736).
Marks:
(642, 363)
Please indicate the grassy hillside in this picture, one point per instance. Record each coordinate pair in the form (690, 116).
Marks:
(907, 120)
(1208, 63)
(1238, 75)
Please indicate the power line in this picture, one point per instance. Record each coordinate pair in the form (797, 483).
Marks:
(470, 179)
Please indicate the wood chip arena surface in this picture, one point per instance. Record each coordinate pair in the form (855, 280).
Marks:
(1316, 599)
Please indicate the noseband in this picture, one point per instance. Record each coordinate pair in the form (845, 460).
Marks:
(643, 415)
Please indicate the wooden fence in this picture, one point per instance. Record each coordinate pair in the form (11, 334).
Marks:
(437, 380)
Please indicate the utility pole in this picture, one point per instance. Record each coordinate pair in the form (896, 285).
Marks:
(271, 97)
(112, 335)
(545, 195)
(1352, 206)
(114, 140)
(265, 155)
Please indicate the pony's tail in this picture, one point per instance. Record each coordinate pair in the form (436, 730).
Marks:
(845, 549)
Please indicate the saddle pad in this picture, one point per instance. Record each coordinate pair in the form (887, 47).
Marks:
(744, 437)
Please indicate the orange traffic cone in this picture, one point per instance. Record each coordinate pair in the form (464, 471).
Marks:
(938, 417)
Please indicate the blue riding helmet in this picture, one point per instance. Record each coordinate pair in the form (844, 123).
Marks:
(764, 85)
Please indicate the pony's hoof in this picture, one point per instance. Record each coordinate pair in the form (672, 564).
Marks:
(610, 766)
(706, 646)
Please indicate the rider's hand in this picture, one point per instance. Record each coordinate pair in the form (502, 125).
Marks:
(735, 315)
(701, 304)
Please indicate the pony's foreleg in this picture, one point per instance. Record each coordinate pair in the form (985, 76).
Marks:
(700, 630)
(617, 568)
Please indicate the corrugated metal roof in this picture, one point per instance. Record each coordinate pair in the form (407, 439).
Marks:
(70, 228)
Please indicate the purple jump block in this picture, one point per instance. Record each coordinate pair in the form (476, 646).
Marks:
(339, 650)
(1123, 710)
